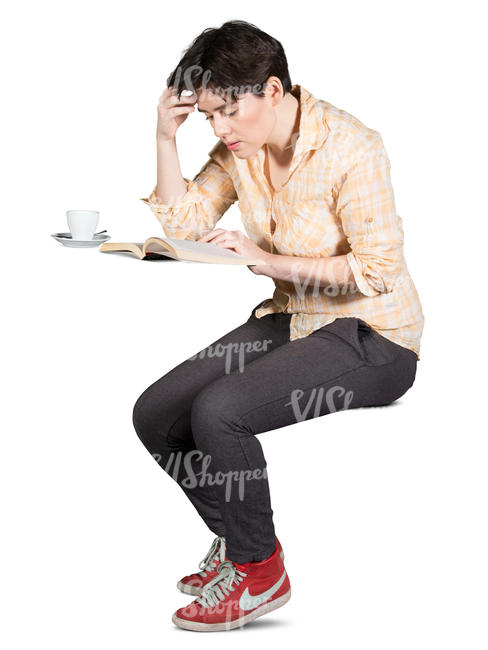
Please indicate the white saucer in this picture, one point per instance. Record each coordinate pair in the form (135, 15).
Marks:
(65, 239)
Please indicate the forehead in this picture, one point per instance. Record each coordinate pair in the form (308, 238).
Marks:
(209, 101)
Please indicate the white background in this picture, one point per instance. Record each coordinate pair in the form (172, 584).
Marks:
(381, 512)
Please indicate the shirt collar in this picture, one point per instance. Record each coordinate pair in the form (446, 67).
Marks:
(313, 129)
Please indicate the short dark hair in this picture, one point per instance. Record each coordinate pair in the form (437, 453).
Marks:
(230, 60)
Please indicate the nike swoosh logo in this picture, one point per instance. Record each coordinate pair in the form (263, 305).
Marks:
(247, 602)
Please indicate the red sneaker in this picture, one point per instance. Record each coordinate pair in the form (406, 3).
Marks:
(238, 594)
(194, 583)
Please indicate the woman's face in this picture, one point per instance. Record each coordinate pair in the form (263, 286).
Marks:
(248, 120)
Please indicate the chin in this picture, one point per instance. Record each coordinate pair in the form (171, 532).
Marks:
(249, 151)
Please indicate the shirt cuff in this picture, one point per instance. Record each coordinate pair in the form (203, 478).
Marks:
(363, 285)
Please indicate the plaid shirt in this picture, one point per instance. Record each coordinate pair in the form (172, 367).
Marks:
(337, 200)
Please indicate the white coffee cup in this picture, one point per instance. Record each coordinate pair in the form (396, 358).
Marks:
(82, 223)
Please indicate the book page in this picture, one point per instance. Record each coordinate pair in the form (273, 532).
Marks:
(202, 247)
(157, 245)
(122, 247)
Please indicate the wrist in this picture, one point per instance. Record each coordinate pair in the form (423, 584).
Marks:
(162, 141)
(270, 264)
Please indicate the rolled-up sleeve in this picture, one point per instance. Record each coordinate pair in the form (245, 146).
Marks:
(209, 194)
(366, 208)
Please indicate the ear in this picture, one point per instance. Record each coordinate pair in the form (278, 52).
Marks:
(274, 90)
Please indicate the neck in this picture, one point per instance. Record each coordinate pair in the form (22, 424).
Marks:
(282, 139)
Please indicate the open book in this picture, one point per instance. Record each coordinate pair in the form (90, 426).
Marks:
(180, 249)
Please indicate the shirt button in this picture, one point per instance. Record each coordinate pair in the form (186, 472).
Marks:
(369, 219)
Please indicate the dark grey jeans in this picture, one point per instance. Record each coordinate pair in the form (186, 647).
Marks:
(200, 420)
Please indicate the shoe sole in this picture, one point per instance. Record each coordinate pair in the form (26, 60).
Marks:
(197, 591)
(195, 626)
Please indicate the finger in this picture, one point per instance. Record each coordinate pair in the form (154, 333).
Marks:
(213, 233)
(169, 94)
(192, 97)
(181, 110)
(225, 238)
(228, 244)
(168, 100)
(184, 101)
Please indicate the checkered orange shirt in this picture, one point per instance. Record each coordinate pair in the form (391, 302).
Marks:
(337, 200)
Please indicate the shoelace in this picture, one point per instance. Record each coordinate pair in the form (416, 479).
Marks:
(216, 550)
(221, 586)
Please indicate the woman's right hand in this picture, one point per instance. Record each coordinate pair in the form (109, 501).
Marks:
(172, 112)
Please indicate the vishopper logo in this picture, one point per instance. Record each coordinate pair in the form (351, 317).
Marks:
(221, 595)
(203, 77)
(227, 350)
(317, 396)
(333, 272)
(199, 479)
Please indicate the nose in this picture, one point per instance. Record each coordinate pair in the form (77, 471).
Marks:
(221, 128)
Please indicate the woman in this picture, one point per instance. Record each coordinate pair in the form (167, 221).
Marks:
(342, 329)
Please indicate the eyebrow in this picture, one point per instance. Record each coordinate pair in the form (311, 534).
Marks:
(219, 108)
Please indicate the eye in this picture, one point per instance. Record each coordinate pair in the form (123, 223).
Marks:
(228, 115)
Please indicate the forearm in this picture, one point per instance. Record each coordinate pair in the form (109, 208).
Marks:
(171, 186)
(310, 271)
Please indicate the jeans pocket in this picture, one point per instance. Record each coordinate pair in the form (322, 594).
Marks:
(364, 329)
(378, 348)
(346, 329)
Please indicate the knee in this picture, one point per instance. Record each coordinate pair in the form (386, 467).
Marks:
(152, 417)
(405, 376)
(215, 412)
(142, 417)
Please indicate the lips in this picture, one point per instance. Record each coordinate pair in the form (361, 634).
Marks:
(233, 145)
